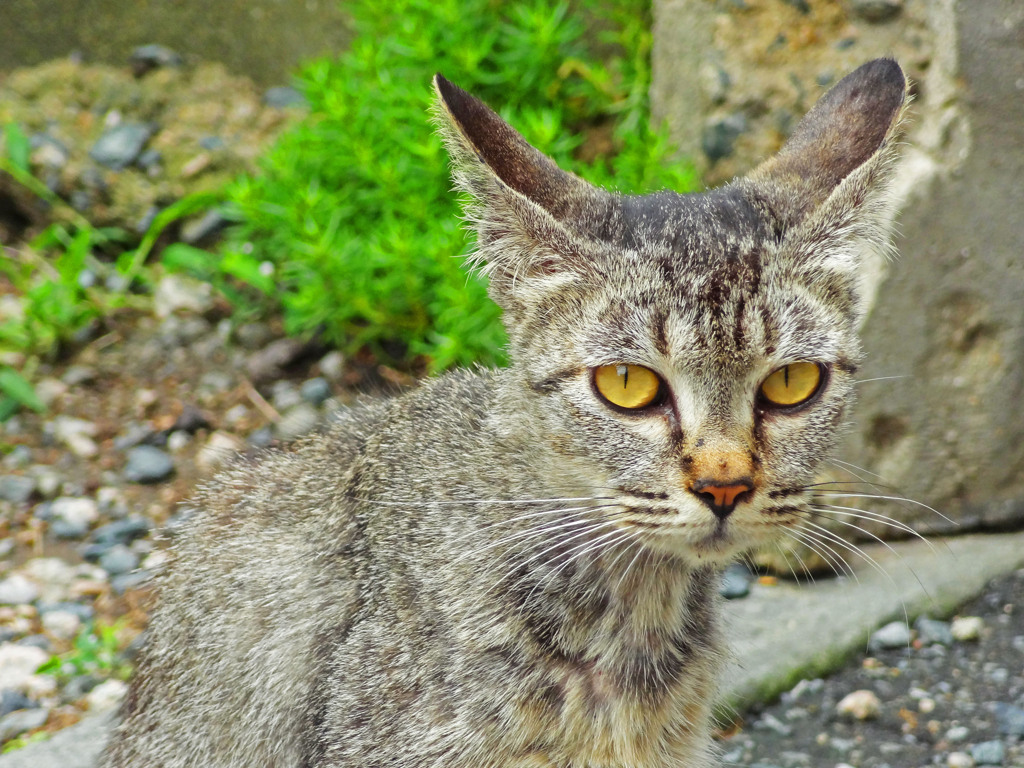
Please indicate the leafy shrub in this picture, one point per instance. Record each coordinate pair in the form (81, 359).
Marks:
(351, 226)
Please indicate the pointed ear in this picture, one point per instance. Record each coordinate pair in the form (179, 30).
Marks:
(527, 211)
(847, 139)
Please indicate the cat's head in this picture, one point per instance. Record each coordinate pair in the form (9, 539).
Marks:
(691, 355)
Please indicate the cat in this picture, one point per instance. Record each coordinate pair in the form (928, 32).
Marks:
(519, 568)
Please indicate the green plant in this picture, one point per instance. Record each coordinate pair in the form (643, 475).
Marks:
(96, 650)
(54, 281)
(350, 229)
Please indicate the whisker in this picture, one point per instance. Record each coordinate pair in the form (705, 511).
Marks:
(879, 497)
(864, 514)
(834, 560)
(880, 378)
(533, 531)
(529, 516)
(887, 546)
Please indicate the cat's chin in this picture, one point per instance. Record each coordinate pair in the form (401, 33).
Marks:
(718, 547)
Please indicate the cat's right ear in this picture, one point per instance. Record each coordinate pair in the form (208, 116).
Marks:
(523, 207)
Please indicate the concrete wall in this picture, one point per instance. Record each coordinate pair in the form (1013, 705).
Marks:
(947, 318)
(263, 39)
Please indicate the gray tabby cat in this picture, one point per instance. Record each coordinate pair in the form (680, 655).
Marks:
(519, 567)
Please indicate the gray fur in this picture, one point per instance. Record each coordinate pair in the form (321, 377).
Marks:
(499, 569)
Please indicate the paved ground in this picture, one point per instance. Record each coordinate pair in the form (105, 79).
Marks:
(781, 633)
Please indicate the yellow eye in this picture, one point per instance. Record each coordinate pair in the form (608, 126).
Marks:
(792, 384)
(627, 385)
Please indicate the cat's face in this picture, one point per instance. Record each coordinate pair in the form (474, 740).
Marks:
(689, 358)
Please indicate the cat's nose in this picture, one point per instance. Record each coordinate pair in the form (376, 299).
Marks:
(723, 496)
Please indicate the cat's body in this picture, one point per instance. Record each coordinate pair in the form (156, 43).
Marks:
(519, 568)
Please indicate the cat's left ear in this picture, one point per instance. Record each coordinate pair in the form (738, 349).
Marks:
(527, 212)
(828, 185)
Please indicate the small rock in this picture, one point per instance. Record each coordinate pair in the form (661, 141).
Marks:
(76, 434)
(959, 760)
(106, 696)
(147, 464)
(77, 687)
(21, 721)
(269, 363)
(332, 365)
(299, 421)
(315, 391)
(284, 395)
(989, 753)
(735, 582)
(71, 517)
(220, 448)
(283, 96)
(47, 479)
(17, 590)
(1009, 719)
(20, 455)
(118, 147)
(149, 160)
(178, 292)
(131, 580)
(967, 628)
(123, 531)
(178, 440)
(253, 335)
(18, 663)
(84, 612)
(77, 376)
(876, 10)
(930, 631)
(52, 575)
(119, 559)
(893, 635)
(957, 733)
(204, 229)
(11, 701)
(62, 625)
(720, 134)
(146, 58)
(861, 705)
(768, 722)
(16, 489)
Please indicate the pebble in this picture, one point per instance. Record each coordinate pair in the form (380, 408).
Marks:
(930, 631)
(957, 733)
(332, 365)
(147, 464)
(62, 625)
(47, 479)
(296, 422)
(76, 434)
(176, 293)
(16, 489)
(123, 531)
(21, 721)
(876, 10)
(119, 559)
(146, 58)
(253, 335)
(735, 582)
(719, 136)
(1009, 719)
(118, 147)
(988, 753)
(861, 705)
(17, 590)
(205, 228)
(315, 391)
(966, 628)
(895, 634)
(18, 665)
(71, 517)
(20, 456)
(106, 696)
(220, 448)
(11, 701)
(959, 760)
(284, 395)
(284, 96)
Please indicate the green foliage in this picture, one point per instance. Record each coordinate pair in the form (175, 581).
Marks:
(96, 651)
(53, 277)
(351, 227)
(23, 741)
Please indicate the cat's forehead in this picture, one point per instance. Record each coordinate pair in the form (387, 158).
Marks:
(696, 231)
